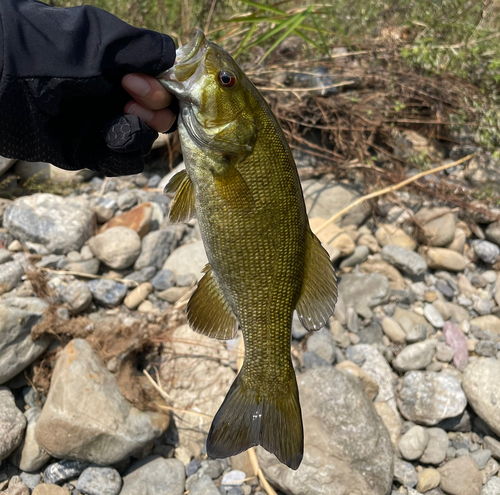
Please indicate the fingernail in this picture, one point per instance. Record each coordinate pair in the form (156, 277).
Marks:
(143, 113)
(136, 85)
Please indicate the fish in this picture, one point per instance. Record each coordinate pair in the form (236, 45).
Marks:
(241, 183)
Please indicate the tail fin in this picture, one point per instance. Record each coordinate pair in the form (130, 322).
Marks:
(247, 418)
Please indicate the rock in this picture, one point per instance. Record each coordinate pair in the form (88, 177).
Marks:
(16, 487)
(390, 234)
(392, 329)
(433, 316)
(104, 208)
(443, 287)
(77, 294)
(91, 267)
(347, 448)
(481, 457)
(325, 199)
(486, 251)
(413, 443)
(358, 256)
(437, 445)
(443, 259)
(334, 237)
(173, 294)
(321, 342)
(408, 261)
(164, 279)
(107, 292)
(60, 224)
(482, 387)
(396, 280)
(139, 294)
(99, 481)
(154, 476)
(85, 416)
(486, 348)
(427, 397)
(118, 247)
(29, 456)
(492, 487)
(233, 478)
(126, 199)
(12, 423)
(392, 421)
(438, 225)
(415, 356)
(492, 232)
(188, 258)
(31, 479)
(370, 242)
(17, 349)
(458, 242)
(10, 276)
(64, 470)
(370, 386)
(204, 486)
(361, 291)
(137, 219)
(428, 479)
(156, 247)
(460, 476)
(493, 446)
(50, 489)
(5, 256)
(405, 473)
(444, 353)
(458, 313)
(487, 322)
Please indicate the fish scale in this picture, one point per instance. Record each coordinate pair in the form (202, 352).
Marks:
(264, 261)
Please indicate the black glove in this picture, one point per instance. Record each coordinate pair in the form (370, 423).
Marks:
(61, 99)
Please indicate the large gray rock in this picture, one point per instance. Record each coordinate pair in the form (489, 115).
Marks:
(17, 349)
(10, 275)
(118, 247)
(156, 247)
(187, 259)
(347, 448)
(415, 356)
(99, 481)
(407, 261)
(60, 224)
(29, 456)
(86, 417)
(155, 477)
(427, 397)
(362, 290)
(481, 383)
(325, 199)
(12, 423)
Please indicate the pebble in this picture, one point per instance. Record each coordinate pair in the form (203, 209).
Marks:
(481, 457)
(369, 384)
(443, 259)
(428, 397)
(438, 225)
(4, 255)
(107, 292)
(445, 289)
(12, 423)
(90, 267)
(433, 316)
(118, 247)
(428, 479)
(50, 489)
(105, 208)
(492, 487)
(233, 478)
(78, 296)
(173, 294)
(30, 479)
(461, 476)
(486, 251)
(415, 356)
(10, 276)
(406, 260)
(192, 467)
(444, 353)
(142, 275)
(392, 329)
(127, 199)
(413, 443)
(321, 343)
(405, 473)
(63, 470)
(99, 481)
(156, 247)
(435, 452)
(16, 487)
(138, 219)
(486, 348)
(204, 486)
(493, 446)
(164, 279)
(458, 342)
(358, 256)
(491, 467)
(138, 295)
(389, 234)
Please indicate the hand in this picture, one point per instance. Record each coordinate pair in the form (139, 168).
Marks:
(150, 101)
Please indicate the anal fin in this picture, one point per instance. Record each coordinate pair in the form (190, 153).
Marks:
(182, 207)
(319, 287)
(208, 312)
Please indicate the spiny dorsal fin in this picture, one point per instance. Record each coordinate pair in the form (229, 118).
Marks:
(319, 287)
(208, 312)
(182, 206)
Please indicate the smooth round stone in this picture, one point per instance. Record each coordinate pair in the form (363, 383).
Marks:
(405, 473)
(163, 280)
(486, 251)
(481, 457)
(413, 443)
(107, 292)
(428, 479)
(392, 329)
(50, 489)
(461, 476)
(489, 276)
(433, 317)
(63, 470)
(437, 446)
(99, 481)
(233, 478)
(445, 289)
(492, 487)
(358, 256)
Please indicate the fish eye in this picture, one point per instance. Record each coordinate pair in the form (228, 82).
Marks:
(227, 79)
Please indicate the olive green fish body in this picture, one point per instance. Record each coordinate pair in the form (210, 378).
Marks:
(242, 183)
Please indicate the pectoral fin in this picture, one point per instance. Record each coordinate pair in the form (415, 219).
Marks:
(182, 207)
(319, 287)
(208, 312)
(232, 187)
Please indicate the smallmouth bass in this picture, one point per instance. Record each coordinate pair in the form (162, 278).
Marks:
(242, 184)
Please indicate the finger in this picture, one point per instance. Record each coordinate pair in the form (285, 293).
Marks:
(147, 91)
(159, 120)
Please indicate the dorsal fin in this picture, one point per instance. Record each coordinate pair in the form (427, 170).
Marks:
(182, 207)
(208, 312)
(319, 287)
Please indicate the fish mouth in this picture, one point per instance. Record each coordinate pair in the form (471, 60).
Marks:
(187, 60)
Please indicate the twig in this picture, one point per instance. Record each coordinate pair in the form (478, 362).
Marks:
(315, 88)
(392, 188)
(89, 275)
(187, 411)
(207, 25)
(255, 465)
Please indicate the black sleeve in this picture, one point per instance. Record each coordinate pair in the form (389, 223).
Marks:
(61, 98)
